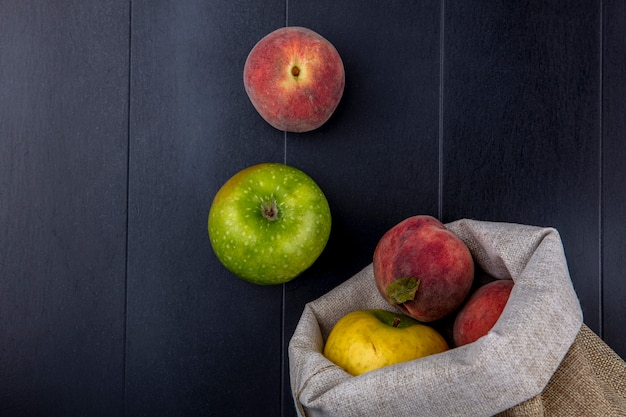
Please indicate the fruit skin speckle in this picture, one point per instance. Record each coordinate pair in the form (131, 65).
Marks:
(269, 223)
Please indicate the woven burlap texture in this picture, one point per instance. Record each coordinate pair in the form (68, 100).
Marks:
(590, 382)
(510, 365)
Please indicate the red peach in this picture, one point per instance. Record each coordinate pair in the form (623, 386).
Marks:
(423, 269)
(480, 313)
(294, 78)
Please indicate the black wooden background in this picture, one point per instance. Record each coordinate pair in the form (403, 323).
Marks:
(119, 121)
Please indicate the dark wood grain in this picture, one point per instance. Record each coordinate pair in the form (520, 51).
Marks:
(521, 119)
(614, 176)
(200, 340)
(63, 136)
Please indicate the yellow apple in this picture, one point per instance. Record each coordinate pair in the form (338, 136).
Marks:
(365, 340)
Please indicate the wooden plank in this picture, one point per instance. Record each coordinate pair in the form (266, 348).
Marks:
(521, 121)
(63, 143)
(614, 175)
(377, 157)
(200, 340)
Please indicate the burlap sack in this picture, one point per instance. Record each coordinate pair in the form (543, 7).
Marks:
(511, 366)
(590, 382)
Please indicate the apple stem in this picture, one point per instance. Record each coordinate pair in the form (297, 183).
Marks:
(295, 71)
(270, 210)
(396, 321)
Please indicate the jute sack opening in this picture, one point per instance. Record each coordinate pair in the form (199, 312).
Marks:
(509, 366)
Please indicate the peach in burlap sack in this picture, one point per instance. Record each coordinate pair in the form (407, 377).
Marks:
(518, 367)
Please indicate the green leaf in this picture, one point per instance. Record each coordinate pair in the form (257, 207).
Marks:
(402, 290)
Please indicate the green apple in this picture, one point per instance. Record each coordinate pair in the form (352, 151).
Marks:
(365, 340)
(269, 223)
